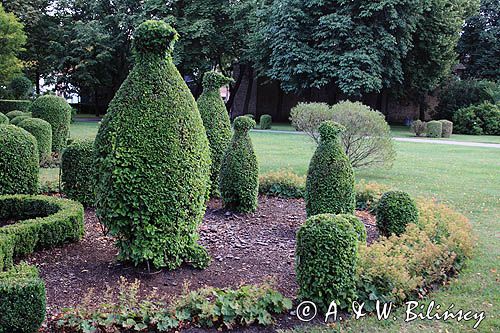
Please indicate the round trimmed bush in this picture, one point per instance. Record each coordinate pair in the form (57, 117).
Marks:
(21, 87)
(77, 172)
(239, 178)
(57, 112)
(153, 159)
(4, 120)
(358, 225)
(326, 258)
(15, 113)
(395, 210)
(447, 128)
(418, 127)
(330, 178)
(434, 129)
(216, 122)
(42, 131)
(18, 161)
(265, 121)
(18, 119)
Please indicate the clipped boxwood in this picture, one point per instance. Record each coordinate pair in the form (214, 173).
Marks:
(4, 120)
(57, 112)
(18, 119)
(153, 159)
(7, 105)
(330, 178)
(216, 122)
(265, 121)
(15, 113)
(395, 210)
(77, 172)
(434, 129)
(447, 128)
(239, 178)
(358, 225)
(19, 165)
(326, 257)
(42, 131)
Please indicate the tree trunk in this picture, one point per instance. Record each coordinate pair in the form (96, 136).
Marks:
(279, 106)
(422, 106)
(233, 89)
(249, 90)
(96, 104)
(37, 82)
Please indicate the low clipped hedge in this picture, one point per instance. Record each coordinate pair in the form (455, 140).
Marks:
(77, 169)
(14, 113)
(4, 120)
(395, 210)
(42, 131)
(434, 129)
(265, 121)
(7, 105)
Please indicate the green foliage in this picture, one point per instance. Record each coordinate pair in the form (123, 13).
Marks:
(7, 105)
(395, 210)
(77, 172)
(358, 225)
(330, 178)
(42, 131)
(283, 184)
(326, 257)
(418, 127)
(153, 161)
(239, 178)
(478, 119)
(14, 113)
(307, 117)
(18, 161)
(434, 129)
(21, 87)
(57, 112)
(4, 120)
(265, 121)
(22, 300)
(13, 40)
(16, 120)
(447, 127)
(216, 122)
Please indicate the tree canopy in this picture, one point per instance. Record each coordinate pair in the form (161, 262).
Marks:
(12, 40)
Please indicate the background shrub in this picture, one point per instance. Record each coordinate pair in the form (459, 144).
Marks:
(7, 105)
(14, 113)
(330, 178)
(447, 127)
(57, 112)
(307, 117)
(152, 156)
(216, 122)
(418, 127)
(19, 165)
(4, 120)
(77, 172)
(18, 119)
(265, 121)
(326, 258)
(434, 129)
(239, 178)
(283, 184)
(478, 119)
(395, 210)
(20, 87)
(42, 131)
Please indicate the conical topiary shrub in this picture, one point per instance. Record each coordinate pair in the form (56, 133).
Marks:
(153, 159)
(216, 121)
(330, 179)
(239, 174)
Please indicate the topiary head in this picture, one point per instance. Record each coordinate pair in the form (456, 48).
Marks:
(214, 80)
(330, 130)
(154, 37)
(243, 124)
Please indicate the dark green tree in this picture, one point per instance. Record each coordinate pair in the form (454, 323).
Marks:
(12, 39)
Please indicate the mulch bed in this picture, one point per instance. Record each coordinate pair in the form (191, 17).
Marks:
(246, 249)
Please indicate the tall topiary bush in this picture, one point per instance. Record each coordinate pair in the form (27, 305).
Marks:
(77, 172)
(265, 121)
(326, 258)
(239, 178)
(153, 159)
(42, 131)
(18, 161)
(57, 112)
(330, 179)
(394, 211)
(434, 129)
(216, 122)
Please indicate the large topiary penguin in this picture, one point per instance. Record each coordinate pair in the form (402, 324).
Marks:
(153, 159)
(216, 121)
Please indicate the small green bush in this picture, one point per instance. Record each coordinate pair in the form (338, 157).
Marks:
(18, 119)
(19, 164)
(14, 113)
(265, 121)
(326, 257)
(7, 105)
(239, 178)
(330, 178)
(4, 120)
(418, 127)
(42, 131)
(434, 129)
(283, 184)
(20, 87)
(358, 225)
(395, 210)
(77, 171)
(57, 112)
(447, 128)
(22, 300)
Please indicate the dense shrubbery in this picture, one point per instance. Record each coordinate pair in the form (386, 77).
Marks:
(57, 112)
(153, 159)
(18, 161)
(395, 210)
(283, 184)
(42, 131)
(18, 119)
(434, 129)
(216, 122)
(418, 127)
(447, 128)
(7, 105)
(265, 121)
(358, 225)
(326, 256)
(330, 178)
(4, 120)
(77, 172)
(20, 87)
(14, 113)
(239, 178)
(478, 119)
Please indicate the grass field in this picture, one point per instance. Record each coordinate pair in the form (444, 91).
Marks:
(466, 178)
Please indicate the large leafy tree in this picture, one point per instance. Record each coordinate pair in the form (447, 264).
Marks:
(12, 40)
(479, 46)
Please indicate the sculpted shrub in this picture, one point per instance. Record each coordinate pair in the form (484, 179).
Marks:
(418, 127)
(447, 128)
(395, 210)
(77, 172)
(216, 122)
(434, 129)
(153, 159)
(330, 178)
(15, 113)
(239, 178)
(358, 225)
(265, 121)
(4, 120)
(42, 131)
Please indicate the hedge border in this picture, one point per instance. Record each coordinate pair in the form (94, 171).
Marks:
(7, 105)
